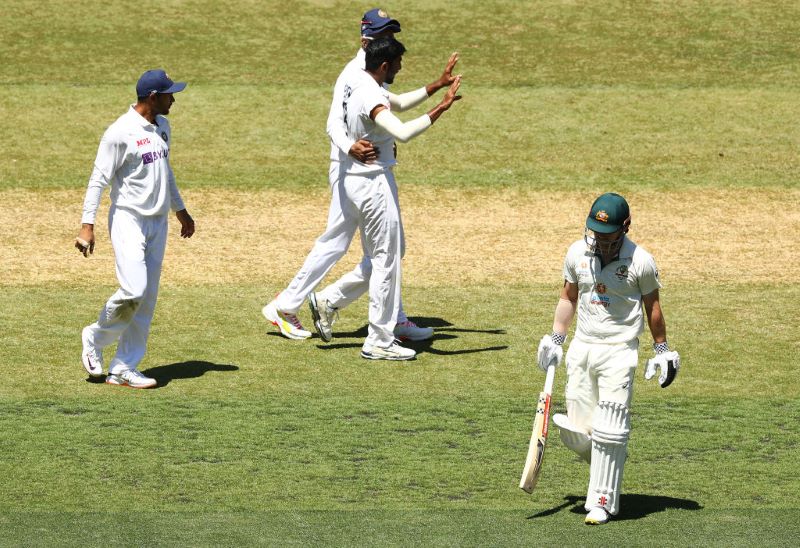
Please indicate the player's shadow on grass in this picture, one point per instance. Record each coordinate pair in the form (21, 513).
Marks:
(441, 325)
(164, 374)
(631, 506)
(441, 332)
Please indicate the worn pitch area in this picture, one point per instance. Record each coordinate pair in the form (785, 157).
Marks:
(454, 236)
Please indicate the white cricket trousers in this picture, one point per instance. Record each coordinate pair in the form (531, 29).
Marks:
(598, 395)
(373, 201)
(327, 250)
(139, 243)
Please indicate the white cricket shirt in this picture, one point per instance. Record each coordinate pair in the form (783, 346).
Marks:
(610, 299)
(133, 158)
(340, 142)
(361, 95)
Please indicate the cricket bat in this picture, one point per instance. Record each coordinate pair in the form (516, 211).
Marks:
(533, 464)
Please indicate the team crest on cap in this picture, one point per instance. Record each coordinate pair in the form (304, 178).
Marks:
(602, 216)
(383, 13)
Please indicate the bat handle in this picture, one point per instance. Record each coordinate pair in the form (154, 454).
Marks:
(548, 381)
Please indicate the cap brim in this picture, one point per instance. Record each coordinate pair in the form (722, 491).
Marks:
(601, 228)
(392, 25)
(175, 87)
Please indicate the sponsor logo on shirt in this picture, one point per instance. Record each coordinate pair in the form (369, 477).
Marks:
(150, 157)
(142, 142)
(599, 296)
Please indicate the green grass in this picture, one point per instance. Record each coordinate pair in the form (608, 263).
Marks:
(275, 440)
(253, 439)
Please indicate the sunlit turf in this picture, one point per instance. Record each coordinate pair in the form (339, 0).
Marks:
(253, 439)
(278, 431)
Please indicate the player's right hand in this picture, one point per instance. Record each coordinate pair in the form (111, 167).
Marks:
(363, 151)
(450, 96)
(549, 353)
(84, 242)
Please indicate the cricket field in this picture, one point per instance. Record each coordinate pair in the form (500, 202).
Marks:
(690, 109)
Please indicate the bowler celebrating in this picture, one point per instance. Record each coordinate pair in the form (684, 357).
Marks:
(133, 159)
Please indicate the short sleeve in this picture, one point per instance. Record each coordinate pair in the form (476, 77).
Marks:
(648, 277)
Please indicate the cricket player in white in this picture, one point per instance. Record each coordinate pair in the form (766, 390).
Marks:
(332, 245)
(133, 158)
(607, 278)
(367, 194)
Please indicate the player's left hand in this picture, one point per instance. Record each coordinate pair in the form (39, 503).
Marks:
(447, 77)
(669, 363)
(187, 223)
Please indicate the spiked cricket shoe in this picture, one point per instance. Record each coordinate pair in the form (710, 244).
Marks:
(91, 356)
(596, 516)
(393, 352)
(132, 378)
(324, 316)
(288, 324)
(409, 331)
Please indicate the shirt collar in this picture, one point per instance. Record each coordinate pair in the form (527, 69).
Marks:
(138, 118)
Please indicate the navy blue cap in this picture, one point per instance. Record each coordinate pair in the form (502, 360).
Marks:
(157, 81)
(376, 21)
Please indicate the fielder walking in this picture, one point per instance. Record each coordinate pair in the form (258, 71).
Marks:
(133, 158)
(331, 246)
(607, 280)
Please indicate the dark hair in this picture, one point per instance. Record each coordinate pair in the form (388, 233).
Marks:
(381, 51)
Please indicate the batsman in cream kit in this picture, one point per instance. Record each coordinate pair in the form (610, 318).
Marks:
(133, 158)
(613, 285)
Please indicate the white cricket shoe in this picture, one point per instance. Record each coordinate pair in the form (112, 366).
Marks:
(409, 331)
(288, 324)
(324, 316)
(132, 378)
(91, 356)
(596, 516)
(393, 352)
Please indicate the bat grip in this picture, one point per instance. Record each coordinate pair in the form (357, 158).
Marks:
(548, 381)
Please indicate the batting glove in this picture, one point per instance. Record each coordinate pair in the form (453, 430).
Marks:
(667, 361)
(550, 350)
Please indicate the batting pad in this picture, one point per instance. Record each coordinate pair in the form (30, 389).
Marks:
(574, 439)
(610, 432)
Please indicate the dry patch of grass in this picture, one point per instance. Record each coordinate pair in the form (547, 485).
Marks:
(457, 236)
